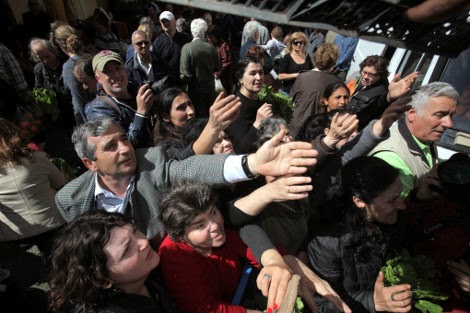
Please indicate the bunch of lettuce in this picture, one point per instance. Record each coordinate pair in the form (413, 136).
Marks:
(45, 104)
(418, 271)
(283, 105)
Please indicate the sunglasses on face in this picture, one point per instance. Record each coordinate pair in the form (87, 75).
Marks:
(296, 43)
(141, 43)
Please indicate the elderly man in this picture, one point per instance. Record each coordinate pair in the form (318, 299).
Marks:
(167, 46)
(143, 66)
(199, 62)
(121, 179)
(120, 100)
(410, 147)
(251, 33)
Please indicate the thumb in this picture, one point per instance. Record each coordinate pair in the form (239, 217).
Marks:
(273, 142)
(396, 78)
(380, 280)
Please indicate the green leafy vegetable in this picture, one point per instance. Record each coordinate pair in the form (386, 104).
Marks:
(428, 307)
(299, 305)
(283, 105)
(419, 271)
(45, 104)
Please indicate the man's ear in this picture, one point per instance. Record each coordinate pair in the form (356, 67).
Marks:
(89, 164)
(359, 202)
(411, 115)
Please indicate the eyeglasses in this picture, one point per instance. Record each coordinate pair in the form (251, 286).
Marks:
(296, 43)
(371, 75)
(141, 43)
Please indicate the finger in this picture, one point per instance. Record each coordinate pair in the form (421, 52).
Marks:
(462, 267)
(273, 142)
(277, 292)
(298, 180)
(338, 303)
(299, 146)
(308, 300)
(301, 163)
(396, 78)
(402, 296)
(398, 288)
(380, 280)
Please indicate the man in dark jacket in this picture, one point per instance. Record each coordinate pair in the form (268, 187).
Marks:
(122, 101)
(144, 66)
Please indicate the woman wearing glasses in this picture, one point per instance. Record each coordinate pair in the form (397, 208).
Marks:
(295, 61)
(373, 94)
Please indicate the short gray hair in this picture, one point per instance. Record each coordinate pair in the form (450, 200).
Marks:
(268, 128)
(139, 32)
(198, 28)
(46, 43)
(436, 89)
(93, 128)
(250, 30)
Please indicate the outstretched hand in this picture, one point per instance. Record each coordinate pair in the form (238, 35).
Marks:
(400, 87)
(461, 272)
(392, 113)
(342, 127)
(224, 111)
(276, 159)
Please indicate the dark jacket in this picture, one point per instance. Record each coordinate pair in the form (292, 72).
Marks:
(351, 268)
(123, 111)
(369, 103)
(137, 75)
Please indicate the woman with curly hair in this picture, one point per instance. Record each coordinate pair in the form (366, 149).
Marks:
(66, 38)
(28, 213)
(101, 263)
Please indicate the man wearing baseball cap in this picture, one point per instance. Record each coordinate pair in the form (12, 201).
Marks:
(127, 104)
(168, 45)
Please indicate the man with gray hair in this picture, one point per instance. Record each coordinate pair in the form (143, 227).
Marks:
(143, 66)
(250, 37)
(199, 62)
(410, 147)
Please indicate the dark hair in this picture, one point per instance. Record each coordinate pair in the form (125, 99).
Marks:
(12, 144)
(242, 65)
(84, 65)
(366, 178)
(182, 203)
(102, 17)
(255, 52)
(379, 62)
(215, 31)
(331, 88)
(163, 130)
(315, 125)
(268, 128)
(193, 129)
(79, 274)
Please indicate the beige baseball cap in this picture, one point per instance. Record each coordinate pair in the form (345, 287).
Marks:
(103, 57)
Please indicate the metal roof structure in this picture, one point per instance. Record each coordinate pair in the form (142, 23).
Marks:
(374, 20)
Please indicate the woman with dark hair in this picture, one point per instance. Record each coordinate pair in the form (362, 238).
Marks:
(101, 263)
(194, 129)
(373, 93)
(175, 109)
(349, 254)
(335, 96)
(249, 75)
(28, 212)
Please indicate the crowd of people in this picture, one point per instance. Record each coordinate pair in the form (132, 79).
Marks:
(187, 177)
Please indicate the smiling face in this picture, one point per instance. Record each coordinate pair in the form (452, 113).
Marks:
(129, 257)
(113, 78)
(114, 154)
(182, 110)
(252, 80)
(436, 118)
(384, 208)
(206, 231)
(338, 99)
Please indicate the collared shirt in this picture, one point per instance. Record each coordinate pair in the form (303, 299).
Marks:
(108, 201)
(146, 67)
(10, 70)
